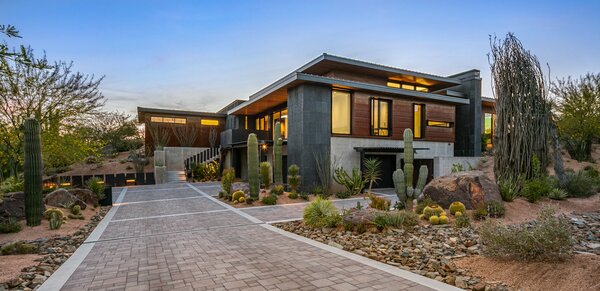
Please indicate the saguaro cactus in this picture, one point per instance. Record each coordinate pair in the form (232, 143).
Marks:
(253, 175)
(403, 180)
(33, 168)
(277, 159)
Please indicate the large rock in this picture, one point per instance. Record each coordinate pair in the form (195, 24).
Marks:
(472, 188)
(60, 197)
(13, 205)
(85, 195)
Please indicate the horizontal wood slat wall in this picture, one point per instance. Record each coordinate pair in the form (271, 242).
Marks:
(402, 118)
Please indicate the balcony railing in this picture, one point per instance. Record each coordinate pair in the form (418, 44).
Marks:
(230, 137)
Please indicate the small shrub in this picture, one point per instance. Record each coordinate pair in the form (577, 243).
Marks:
(227, 179)
(480, 213)
(396, 219)
(509, 190)
(277, 189)
(455, 168)
(580, 184)
(456, 207)
(265, 174)
(10, 225)
(76, 210)
(495, 209)
(536, 188)
(379, 203)
(18, 248)
(304, 195)
(96, 185)
(293, 195)
(293, 177)
(343, 194)
(317, 190)
(558, 194)
(69, 205)
(434, 220)
(249, 200)
(237, 195)
(432, 210)
(422, 204)
(592, 171)
(353, 184)
(547, 239)
(223, 194)
(12, 184)
(270, 200)
(463, 221)
(321, 213)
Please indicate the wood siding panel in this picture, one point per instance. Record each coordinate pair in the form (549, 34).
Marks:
(402, 118)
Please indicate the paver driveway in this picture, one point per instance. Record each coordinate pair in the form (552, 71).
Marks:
(178, 237)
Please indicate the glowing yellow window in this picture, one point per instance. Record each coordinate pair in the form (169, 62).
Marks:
(180, 120)
(209, 122)
(156, 119)
(439, 123)
(418, 120)
(168, 119)
(408, 87)
(422, 89)
(393, 84)
(340, 112)
(245, 122)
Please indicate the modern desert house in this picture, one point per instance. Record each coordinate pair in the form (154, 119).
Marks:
(349, 110)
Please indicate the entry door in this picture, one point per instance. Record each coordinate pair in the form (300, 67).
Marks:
(388, 166)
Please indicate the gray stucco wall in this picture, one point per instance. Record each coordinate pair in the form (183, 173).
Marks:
(309, 123)
(468, 117)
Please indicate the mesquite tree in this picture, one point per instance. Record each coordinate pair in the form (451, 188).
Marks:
(522, 109)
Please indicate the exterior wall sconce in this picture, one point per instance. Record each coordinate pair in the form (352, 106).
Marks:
(263, 146)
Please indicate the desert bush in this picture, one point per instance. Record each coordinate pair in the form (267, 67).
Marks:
(546, 239)
(558, 194)
(353, 184)
(269, 200)
(12, 184)
(321, 213)
(480, 213)
(18, 248)
(495, 209)
(227, 179)
(379, 203)
(293, 177)
(580, 184)
(510, 189)
(10, 225)
(463, 221)
(536, 188)
(265, 174)
(277, 189)
(343, 194)
(304, 195)
(96, 185)
(396, 219)
(293, 195)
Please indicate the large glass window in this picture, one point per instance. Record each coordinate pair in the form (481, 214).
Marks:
(488, 132)
(160, 119)
(380, 117)
(341, 108)
(282, 117)
(418, 114)
(262, 123)
(209, 122)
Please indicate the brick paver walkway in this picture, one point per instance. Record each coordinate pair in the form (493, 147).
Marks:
(180, 238)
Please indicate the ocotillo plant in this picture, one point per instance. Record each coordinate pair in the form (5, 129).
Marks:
(277, 159)
(33, 168)
(253, 177)
(403, 180)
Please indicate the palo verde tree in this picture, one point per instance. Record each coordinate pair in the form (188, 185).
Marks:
(522, 109)
(578, 113)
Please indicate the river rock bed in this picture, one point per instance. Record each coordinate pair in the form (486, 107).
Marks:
(424, 249)
(56, 251)
(586, 232)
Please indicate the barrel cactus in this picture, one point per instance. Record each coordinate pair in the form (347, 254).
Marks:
(432, 210)
(253, 175)
(434, 220)
(456, 206)
(34, 206)
(403, 179)
(277, 159)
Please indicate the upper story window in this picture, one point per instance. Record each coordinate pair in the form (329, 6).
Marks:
(262, 123)
(439, 123)
(341, 112)
(381, 117)
(209, 122)
(281, 116)
(407, 86)
(418, 117)
(488, 130)
(161, 119)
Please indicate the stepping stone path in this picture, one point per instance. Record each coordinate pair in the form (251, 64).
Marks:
(177, 236)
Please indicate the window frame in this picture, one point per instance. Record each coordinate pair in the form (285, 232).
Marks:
(390, 104)
(449, 124)
(351, 101)
(423, 120)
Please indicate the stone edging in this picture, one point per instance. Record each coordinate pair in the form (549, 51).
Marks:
(64, 272)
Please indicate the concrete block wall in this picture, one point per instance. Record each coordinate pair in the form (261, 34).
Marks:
(175, 156)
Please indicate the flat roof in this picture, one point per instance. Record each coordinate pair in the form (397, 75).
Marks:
(142, 111)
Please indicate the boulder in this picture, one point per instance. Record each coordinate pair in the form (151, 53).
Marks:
(60, 197)
(13, 205)
(85, 195)
(472, 188)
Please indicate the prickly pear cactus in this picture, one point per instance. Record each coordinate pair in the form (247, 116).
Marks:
(253, 170)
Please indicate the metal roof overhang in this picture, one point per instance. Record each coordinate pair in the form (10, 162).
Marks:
(142, 111)
(276, 93)
(384, 149)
